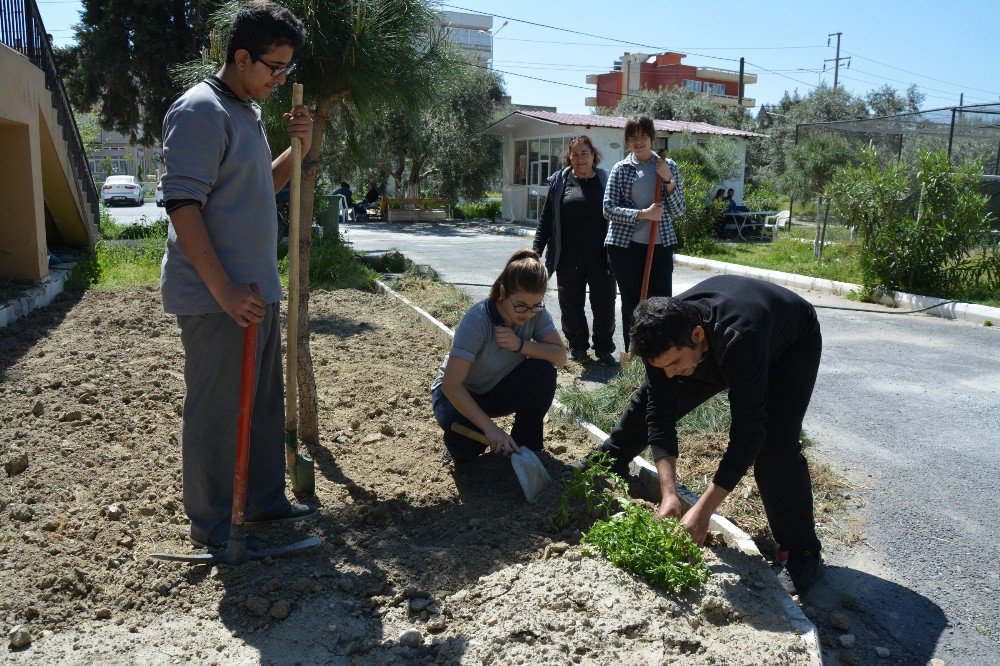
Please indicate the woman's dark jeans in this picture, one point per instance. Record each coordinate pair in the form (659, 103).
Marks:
(629, 264)
(526, 392)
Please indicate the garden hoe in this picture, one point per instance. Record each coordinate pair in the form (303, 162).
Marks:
(654, 226)
(236, 550)
(530, 471)
(300, 467)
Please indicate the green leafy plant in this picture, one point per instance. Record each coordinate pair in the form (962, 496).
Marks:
(660, 551)
(582, 486)
(988, 322)
(480, 210)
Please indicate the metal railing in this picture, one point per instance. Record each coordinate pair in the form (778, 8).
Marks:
(22, 30)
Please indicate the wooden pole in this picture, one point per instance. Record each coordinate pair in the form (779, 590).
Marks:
(291, 365)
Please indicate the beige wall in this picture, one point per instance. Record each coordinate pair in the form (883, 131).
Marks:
(35, 171)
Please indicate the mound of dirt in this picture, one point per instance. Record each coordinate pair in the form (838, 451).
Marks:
(419, 562)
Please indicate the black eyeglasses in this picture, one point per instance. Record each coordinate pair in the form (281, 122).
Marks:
(278, 70)
(521, 309)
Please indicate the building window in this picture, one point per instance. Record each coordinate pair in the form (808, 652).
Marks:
(715, 88)
(520, 163)
(693, 86)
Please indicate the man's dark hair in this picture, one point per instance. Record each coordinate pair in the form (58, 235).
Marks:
(640, 125)
(261, 25)
(660, 323)
(345, 185)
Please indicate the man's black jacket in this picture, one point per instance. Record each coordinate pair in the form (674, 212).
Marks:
(749, 324)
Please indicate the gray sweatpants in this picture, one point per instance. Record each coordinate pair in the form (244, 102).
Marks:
(213, 352)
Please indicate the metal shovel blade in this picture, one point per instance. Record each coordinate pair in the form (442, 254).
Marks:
(227, 555)
(531, 473)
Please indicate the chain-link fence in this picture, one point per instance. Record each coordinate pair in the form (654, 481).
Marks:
(965, 133)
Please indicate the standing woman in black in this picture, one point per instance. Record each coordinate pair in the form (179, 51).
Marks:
(572, 229)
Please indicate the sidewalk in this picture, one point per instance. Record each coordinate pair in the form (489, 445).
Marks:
(946, 309)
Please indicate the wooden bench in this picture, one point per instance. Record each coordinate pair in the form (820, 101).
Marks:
(411, 210)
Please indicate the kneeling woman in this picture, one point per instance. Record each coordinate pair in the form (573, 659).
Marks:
(502, 361)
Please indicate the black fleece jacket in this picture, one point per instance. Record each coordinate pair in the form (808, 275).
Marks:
(749, 324)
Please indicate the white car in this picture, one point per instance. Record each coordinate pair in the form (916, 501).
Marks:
(122, 190)
(159, 194)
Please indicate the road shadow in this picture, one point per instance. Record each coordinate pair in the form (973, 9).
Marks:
(878, 613)
(454, 229)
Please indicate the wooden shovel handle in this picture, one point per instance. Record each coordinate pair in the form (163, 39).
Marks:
(294, 201)
(653, 228)
(466, 431)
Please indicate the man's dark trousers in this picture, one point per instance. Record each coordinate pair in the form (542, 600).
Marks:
(781, 470)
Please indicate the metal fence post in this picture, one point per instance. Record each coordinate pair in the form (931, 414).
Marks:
(29, 33)
(951, 134)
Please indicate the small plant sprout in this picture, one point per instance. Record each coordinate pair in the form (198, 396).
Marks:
(988, 322)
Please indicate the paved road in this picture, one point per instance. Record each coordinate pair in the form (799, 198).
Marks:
(908, 409)
(148, 213)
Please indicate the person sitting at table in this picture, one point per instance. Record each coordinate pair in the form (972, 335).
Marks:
(730, 200)
(371, 199)
(718, 202)
(502, 361)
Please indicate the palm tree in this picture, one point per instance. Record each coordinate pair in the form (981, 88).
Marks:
(363, 55)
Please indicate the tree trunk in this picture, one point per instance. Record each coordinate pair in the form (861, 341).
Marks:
(308, 403)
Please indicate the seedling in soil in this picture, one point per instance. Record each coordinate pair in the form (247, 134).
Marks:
(848, 602)
(660, 551)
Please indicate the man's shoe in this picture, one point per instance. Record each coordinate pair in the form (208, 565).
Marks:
(607, 360)
(799, 571)
(581, 357)
(294, 513)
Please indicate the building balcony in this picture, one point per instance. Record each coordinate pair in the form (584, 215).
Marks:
(590, 101)
(592, 79)
(731, 100)
(714, 74)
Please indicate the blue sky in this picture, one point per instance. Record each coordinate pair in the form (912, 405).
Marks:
(945, 48)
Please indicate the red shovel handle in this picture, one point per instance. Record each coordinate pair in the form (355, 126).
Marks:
(243, 428)
(653, 228)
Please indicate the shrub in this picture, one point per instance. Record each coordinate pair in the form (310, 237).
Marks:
(480, 210)
(696, 226)
(764, 196)
(334, 264)
(931, 236)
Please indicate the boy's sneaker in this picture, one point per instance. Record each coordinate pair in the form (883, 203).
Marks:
(798, 571)
(293, 514)
(581, 357)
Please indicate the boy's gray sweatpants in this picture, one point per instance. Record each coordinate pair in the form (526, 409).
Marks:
(213, 352)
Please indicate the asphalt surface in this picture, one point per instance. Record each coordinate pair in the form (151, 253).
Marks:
(148, 213)
(907, 408)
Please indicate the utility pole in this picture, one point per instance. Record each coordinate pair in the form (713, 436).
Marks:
(739, 101)
(836, 60)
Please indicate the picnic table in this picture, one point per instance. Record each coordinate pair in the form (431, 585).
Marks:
(750, 225)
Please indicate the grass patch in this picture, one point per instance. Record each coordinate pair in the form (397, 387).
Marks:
(333, 264)
(840, 262)
(444, 301)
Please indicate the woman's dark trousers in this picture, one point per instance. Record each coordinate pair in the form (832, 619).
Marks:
(628, 264)
(575, 274)
(526, 392)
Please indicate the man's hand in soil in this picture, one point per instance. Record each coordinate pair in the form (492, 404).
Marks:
(507, 338)
(300, 124)
(242, 303)
(670, 506)
(696, 523)
(500, 442)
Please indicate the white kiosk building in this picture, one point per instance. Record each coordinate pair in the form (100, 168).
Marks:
(534, 143)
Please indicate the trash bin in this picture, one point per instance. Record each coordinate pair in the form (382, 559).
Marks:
(328, 214)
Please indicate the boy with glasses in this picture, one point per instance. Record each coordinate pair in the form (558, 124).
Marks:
(220, 271)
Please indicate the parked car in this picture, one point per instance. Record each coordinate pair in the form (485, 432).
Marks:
(122, 190)
(159, 193)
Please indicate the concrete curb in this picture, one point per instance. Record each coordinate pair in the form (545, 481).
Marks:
(38, 296)
(972, 312)
(649, 481)
(966, 311)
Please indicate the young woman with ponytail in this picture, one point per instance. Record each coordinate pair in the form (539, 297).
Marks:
(502, 361)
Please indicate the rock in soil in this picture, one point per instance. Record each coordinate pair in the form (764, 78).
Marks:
(839, 620)
(19, 637)
(16, 463)
(411, 638)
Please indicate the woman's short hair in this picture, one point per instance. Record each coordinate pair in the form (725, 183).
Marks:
(524, 272)
(261, 25)
(639, 125)
(583, 138)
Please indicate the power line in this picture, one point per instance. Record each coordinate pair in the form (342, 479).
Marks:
(584, 34)
(922, 87)
(777, 72)
(685, 49)
(923, 76)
